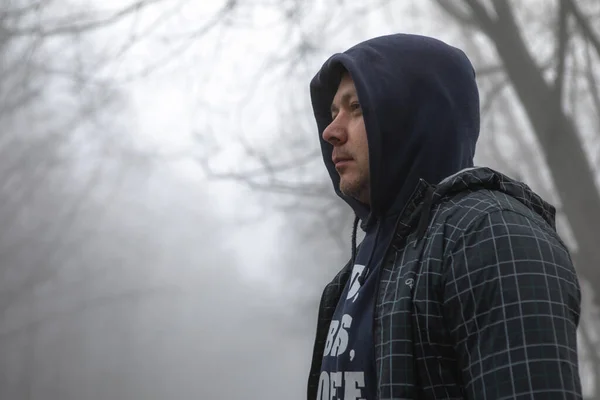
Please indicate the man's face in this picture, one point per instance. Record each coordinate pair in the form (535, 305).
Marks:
(348, 136)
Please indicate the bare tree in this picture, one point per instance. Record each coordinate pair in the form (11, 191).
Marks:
(561, 106)
(54, 149)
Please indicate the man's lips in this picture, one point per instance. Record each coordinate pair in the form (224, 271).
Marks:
(340, 162)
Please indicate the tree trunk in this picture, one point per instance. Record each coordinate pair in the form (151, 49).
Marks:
(559, 138)
(557, 133)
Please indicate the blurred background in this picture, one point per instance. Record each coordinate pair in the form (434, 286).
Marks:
(167, 224)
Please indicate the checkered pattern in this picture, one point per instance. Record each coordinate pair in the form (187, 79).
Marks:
(484, 306)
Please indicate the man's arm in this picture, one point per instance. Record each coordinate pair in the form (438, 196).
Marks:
(512, 305)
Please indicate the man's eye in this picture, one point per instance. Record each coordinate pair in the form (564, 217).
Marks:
(355, 106)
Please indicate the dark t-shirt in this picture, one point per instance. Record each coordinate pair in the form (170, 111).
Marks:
(348, 366)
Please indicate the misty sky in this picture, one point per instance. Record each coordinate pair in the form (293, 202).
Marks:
(170, 285)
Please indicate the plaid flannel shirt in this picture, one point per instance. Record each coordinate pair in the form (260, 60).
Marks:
(484, 304)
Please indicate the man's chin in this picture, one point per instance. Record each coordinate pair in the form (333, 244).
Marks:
(349, 190)
(354, 190)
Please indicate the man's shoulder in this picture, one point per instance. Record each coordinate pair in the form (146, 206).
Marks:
(464, 209)
(478, 191)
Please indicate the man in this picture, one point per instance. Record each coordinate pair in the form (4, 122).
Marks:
(461, 287)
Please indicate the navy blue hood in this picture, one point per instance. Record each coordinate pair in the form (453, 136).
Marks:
(420, 105)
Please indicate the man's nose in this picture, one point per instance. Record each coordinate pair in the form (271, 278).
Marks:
(335, 133)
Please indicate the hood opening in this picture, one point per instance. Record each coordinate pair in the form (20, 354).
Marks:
(421, 111)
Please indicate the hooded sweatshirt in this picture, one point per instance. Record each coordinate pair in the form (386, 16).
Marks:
(420, 107)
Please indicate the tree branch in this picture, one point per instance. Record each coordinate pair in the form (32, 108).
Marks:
(583, 24)
(272, 184)
(490, 70)
(462, 16)
(80, 27)
(561, 50)
(187, 41)
(592, 83)
(19, 11)
(506, 16)
(492, 94)
(497, 88)
(486, 21)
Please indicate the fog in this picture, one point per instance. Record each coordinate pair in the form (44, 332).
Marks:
(147, 301)
(167, 223)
